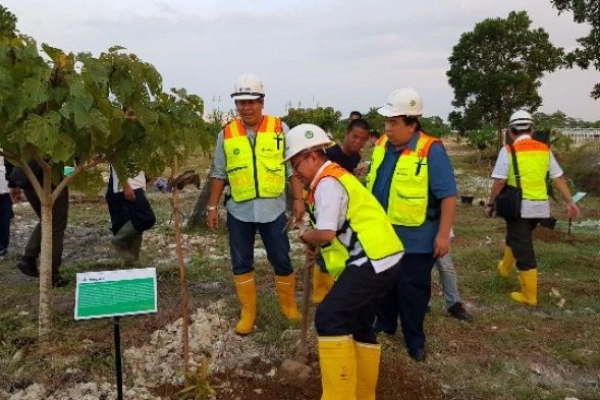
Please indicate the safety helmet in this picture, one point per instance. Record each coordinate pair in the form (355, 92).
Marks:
(521, 120)
(248, 87)
(404, 101)
(303, 137)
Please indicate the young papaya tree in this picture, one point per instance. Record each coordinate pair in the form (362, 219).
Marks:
(180, 130)
(62, 109)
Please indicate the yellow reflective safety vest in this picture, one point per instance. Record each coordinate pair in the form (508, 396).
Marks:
(255, 171)
(409, 190)
(533, 158)
(365, 217)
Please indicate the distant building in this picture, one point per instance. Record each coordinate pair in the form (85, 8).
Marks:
(581, 135)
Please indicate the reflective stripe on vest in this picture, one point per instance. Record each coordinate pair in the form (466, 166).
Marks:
(255, 171)
(533, 158)
(364, 216)
(409, 189)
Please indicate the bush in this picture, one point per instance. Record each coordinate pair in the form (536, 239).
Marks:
(582, 166)
(482, 139)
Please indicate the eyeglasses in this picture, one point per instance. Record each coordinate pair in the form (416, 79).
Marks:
(300, 161)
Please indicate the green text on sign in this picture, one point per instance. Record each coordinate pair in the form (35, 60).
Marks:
(115, 293)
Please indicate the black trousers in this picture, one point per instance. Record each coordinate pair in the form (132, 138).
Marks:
(139, 211)
(519, 239)
(408, 298)
(349, 307)
(60, 215)
(5, 217)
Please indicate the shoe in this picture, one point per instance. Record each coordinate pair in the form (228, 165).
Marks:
(286, 287)
(121, 242)
(418, 355)
(28, 268)
(368, 358)
(458, 311)
(337, 359)
(528, 293)
(245, 286)
(379, 326)
(59, 282)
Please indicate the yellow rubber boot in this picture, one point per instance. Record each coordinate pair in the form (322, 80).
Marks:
(286, 287)
(337, 358)
(322, 283)
(528, 293)
(245, 286)
(507, 264)
(367, 370)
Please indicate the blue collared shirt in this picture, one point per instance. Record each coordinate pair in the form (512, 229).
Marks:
(257, 210)
(419, 240)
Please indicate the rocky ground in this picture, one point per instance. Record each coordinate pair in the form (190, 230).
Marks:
(509, 352)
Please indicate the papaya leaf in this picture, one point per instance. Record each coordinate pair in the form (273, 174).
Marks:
(64, 148)
(42, 131)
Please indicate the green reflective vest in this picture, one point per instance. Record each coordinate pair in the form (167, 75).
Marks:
(533, 158)
(255, 171)
(364, 216)
(409, 190)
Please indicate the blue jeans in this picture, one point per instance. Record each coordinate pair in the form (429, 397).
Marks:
(5, 217)
(274, 237)
(445, 267)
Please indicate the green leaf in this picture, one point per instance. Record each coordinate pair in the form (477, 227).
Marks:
(64, 149)
(115, 49)
(52, 52)
(88, 182)
(33, 93)
(42, 132)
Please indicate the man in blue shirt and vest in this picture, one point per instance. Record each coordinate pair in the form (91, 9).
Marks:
(412, 177)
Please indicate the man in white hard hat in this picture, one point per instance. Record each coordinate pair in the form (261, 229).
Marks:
(248, 157)
(347, 225)
(412, 177)
(534, 161)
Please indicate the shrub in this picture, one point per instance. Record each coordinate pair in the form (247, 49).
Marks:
(582, 166)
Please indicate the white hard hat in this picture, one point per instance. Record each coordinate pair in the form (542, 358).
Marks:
(248, 87)
(404, 101)
(520, 120)
(303, 137)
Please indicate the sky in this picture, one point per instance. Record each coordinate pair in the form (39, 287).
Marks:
(347, 54)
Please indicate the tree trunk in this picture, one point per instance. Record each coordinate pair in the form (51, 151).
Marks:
(182, 280)
(197, 216)
(45, 307)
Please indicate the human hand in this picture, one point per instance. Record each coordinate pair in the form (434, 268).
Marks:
(302, 230)
(362, 168)
(212, 219)
(298, 210)
(128, 193)
(572, 210)
(311, 252)
(441, 246)
(15, 195)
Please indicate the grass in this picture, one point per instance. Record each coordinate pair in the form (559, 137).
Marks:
(509, 352)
